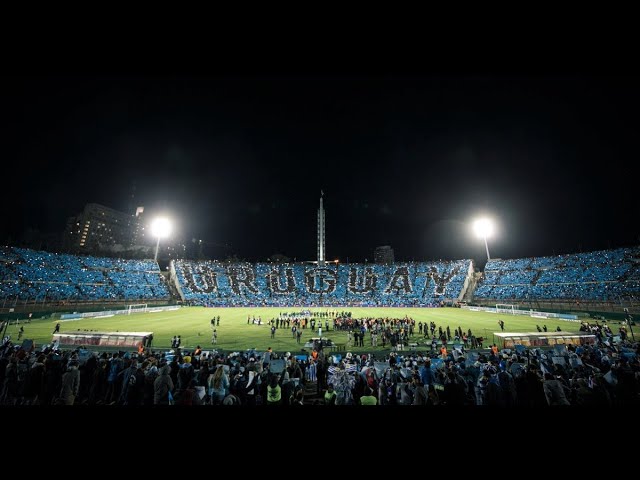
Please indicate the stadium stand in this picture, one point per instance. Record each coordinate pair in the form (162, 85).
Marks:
(30, 275)
(401, 284)
(605, 275)
(603, 373)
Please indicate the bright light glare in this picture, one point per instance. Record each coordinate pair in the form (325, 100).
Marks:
(483, 227)
(161, 227)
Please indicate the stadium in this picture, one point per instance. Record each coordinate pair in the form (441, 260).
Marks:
(431, 332)
(465, 253)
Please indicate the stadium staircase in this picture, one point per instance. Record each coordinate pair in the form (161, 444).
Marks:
(173, 291)
(535, 278)
(471, 288)
(173, 282)
(311, 396)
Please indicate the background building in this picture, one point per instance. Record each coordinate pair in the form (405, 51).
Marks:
(99, 228)
(383, 254)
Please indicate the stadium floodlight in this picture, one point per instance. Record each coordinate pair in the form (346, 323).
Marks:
(161, 228)
(484, 228)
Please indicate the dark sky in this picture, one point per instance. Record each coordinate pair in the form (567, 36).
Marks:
(404, 161)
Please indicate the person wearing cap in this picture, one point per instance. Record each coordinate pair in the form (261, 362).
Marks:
(185, 372)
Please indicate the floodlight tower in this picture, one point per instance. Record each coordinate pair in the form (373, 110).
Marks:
(161, 228)
(484, 228)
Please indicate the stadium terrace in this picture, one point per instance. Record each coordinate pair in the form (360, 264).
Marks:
(415, 284)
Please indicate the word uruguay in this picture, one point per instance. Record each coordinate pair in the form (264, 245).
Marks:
(242, 279)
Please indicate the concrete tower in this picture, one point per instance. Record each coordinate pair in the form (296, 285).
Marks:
(321, 234)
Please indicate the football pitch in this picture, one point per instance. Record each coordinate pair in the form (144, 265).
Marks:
(193, 324)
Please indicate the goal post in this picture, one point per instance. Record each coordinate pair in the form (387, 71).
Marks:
(136, 308)
(505, 308)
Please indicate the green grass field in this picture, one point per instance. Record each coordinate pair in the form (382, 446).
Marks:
(193, 324)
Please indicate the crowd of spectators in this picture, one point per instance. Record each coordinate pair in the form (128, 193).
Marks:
(401, 284)
(605, 275)
(606, 373)
(43, 276)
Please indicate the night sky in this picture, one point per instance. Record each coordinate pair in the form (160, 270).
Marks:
(403, 161)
